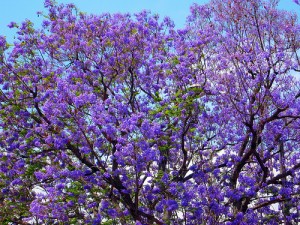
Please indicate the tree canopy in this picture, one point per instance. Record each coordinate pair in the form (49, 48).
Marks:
(124, 119)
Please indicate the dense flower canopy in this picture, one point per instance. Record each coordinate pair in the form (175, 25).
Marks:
(121, 119)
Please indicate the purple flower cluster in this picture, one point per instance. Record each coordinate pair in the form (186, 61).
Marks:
(123, 119)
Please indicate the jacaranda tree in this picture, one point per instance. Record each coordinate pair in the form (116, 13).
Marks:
(120, 119)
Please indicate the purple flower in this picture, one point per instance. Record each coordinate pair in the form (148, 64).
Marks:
(172, 205)
(17, 181)
(38, 209)
(106, 93)
(70, 203)
(5, 190)
(2, 42)
(159, 207)
(39, 175)
(85, 150)
(97, 220)
(112, 213)
(104, 204)
(12, 24)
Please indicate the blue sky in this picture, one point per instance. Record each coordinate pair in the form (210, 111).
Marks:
(18, 10)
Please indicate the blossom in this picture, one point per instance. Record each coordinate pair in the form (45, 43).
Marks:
(126, 119)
